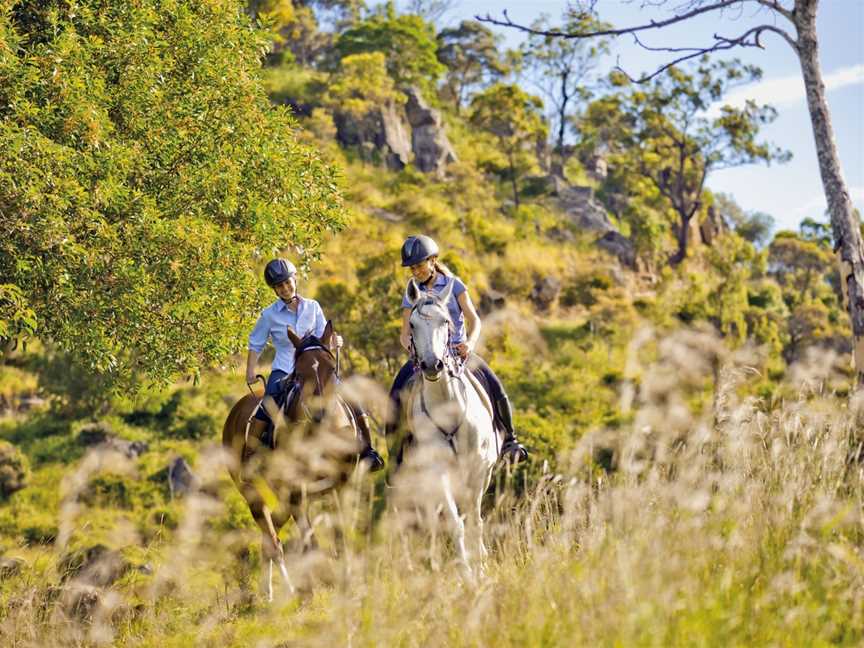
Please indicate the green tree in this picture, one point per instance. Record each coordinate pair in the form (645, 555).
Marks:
(754, 226)
(515, 119)
(816, 231)
(800, 264)
(471, 54)
(143, 175)
(361, 84)
(563, 67)
(407, 42)
(660, 133)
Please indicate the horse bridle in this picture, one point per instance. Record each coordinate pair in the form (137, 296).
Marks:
(451, 360)
(454, 369)
(301, 351)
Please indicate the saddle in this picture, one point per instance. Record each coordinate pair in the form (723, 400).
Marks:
(289, 396)
(272, 406)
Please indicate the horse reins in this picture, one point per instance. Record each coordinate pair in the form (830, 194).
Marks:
(454, 369)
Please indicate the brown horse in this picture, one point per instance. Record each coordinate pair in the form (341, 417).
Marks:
(315, 450)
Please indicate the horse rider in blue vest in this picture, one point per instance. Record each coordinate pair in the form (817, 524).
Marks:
(420, 254)
(304, 316)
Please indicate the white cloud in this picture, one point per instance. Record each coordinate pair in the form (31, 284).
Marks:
(785, 91)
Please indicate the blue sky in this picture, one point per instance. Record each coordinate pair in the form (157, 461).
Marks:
(789, 192)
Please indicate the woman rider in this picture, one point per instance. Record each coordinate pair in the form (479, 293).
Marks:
(303, 315)
(420, 253)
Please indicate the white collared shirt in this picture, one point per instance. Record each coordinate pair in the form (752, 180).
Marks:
(273, 324)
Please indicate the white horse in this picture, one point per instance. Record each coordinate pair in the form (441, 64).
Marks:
(450, 416)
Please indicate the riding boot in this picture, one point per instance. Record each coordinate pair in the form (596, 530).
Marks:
(367, 452)
(511, 449)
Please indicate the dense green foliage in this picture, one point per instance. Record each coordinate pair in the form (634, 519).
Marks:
(661, 135)
(142, 172)
(407, 41)
(515, 119)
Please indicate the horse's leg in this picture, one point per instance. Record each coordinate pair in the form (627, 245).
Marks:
(476, 518)
(457, 526)
(265, 522)
(305, 531)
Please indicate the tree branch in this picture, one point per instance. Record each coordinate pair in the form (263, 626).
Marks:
(775, 5)
(653, 24)
(750, 38)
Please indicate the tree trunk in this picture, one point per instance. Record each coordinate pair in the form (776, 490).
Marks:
(845, 224)
(562, 113)
(682, 235)
(513, 179)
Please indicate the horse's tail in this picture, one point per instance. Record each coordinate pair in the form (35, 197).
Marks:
(234, 432)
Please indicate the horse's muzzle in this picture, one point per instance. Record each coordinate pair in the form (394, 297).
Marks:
(432, 369)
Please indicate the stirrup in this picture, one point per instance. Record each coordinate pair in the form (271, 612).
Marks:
(513, 451)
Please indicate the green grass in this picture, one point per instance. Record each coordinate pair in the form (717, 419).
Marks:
(718, 527)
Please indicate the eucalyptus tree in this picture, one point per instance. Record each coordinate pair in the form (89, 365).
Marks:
(407, 42)
(144, 175)
(563, 68)
(472, 55)
(660, 133)
(794, 22)
(515, 119)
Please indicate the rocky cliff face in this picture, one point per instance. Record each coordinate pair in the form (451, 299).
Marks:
(432, 150)
(399, 135)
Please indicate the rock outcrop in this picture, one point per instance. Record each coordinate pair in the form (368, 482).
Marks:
(616, 243)
(383, 130)
(101, 435)
(432, 150)
(545, 292)
(711, 226)
(579, 205)
(181, 479)
(14, 471)
(399, 134)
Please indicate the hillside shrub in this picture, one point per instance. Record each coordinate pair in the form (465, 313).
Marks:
(14, 470)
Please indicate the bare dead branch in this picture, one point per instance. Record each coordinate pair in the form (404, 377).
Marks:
(775, 5)
(653, 24)
(750, 38)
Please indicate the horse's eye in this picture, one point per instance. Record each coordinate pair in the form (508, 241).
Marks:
(411, 324)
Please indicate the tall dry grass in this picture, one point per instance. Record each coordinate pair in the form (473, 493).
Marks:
(716, 521)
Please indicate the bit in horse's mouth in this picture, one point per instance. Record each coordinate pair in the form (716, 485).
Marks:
(432, 376)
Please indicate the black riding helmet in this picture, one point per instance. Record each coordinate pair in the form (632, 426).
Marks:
(277, 271)
(416, 249)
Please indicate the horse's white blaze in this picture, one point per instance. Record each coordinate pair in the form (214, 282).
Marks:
(457, 476)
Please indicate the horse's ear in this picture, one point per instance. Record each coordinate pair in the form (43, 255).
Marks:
(328, 334)
(295, 339)
(413, 292)
(444, 295)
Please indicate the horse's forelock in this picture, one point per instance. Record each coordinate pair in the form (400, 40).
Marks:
(436, 304)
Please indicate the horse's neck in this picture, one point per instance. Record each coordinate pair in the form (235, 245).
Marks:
(443, 390)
